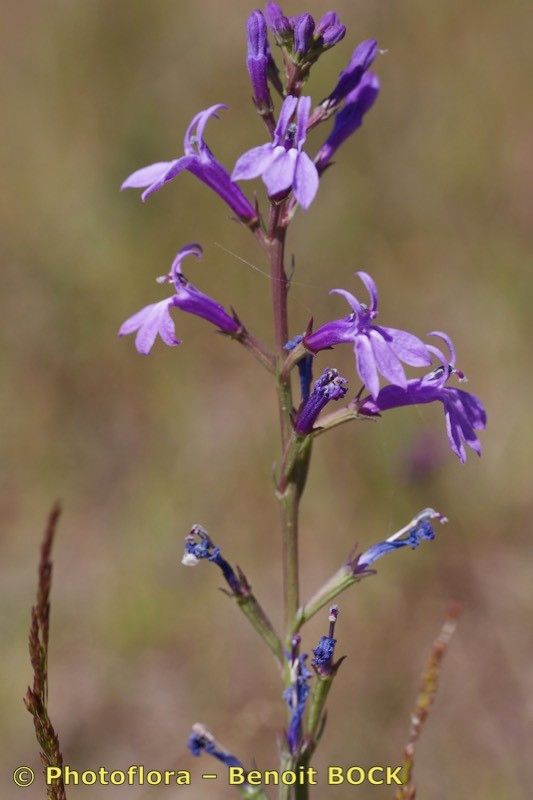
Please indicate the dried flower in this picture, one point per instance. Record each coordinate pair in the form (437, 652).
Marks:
(202, 740)
(413, 534)
(198, 545)
(377, 349)
(296, 694)
(324, 652)
(330, 386)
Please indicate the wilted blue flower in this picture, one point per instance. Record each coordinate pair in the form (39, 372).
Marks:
(201, 739)
(199, 160)
(258, 59)
(349, 118)
(464, 412)
(155, 318)
(305, 367)
(330, 386)
(324, 652)
(296, 694)
(421, 531)
(198, 545)
(282, 163)
(377, 349)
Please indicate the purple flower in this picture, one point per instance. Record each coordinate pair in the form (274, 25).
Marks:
(325, 650)
(330, 386)
(258, 60)
(198, 546)
(282, 163)
(201, 739)
(378, 350)
(464, 412)
(155, 318)
(297, 693)
(329, 30)
(417, 531)
(278, 23)
(349, 118)
(362, 59)
(199, 160)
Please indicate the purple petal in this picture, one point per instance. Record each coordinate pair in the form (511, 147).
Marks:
(454, 438)
(409, 348)
(371, 288)
(146, 176)
(195, 130)
(349, 297)
(177, 166)
(286, 111)
(304, 108)
(306, 180)
(280, 174)
(148, 322)
(254, 162)
(451, 347)
(192, 249)
(366, 365)
(386, 361)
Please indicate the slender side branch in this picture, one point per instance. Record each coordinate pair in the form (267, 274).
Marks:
(249, 605)
(338, 583)
(426, 697)
(36, 699)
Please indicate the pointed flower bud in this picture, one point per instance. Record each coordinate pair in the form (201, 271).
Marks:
(349, 118)
(330, 386)
(278, 23)
(304, 28)
(198, 546)
(329, 30)
(362, 59)
(258, 60)
(202, 740)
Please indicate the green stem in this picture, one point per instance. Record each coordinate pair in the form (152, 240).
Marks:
(262, 625)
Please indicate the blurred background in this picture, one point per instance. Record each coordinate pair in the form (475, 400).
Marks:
(433, 197)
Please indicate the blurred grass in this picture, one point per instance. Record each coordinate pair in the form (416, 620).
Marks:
(433, 196)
